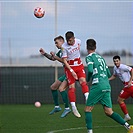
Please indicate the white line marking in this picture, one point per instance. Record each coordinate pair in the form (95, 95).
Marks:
(79, 128)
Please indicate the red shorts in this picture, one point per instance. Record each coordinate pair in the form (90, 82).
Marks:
(126, 92)
(79, 70)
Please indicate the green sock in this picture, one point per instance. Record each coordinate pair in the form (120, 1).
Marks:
(88, 119)
(117, 118)
(65, 98)
(55, 97)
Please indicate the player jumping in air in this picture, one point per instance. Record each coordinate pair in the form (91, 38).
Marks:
(100, 90)
(74, 68)
(60, 84)
(125, 73)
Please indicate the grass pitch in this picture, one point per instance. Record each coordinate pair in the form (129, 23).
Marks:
(29, 119)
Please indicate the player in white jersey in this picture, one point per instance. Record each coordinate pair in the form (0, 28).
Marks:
(125, 73)
(74, 68)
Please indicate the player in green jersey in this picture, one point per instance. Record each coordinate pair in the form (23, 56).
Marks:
(61, 83)
(100, 89)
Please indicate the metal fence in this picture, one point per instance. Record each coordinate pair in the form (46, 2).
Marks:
(25, 85)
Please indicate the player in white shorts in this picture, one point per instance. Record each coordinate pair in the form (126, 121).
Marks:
(125, 73)
(74, 68)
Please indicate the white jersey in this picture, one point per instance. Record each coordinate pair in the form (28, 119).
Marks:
(123, 72)
(71, 52)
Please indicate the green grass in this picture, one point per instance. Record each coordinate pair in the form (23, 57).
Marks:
(28, 119)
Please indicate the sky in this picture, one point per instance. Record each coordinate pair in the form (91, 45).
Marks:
(110, 23)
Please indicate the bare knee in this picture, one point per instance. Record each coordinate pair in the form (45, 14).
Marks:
(53, 87)
(120, 100)
(88, 108)
(108, 111)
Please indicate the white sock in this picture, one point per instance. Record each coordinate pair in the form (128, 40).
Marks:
(67, 108)
(86, 95)
(127, 115)
(57, 106)
(73, 105)
(90, 131)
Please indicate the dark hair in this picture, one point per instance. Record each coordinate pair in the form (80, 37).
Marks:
(69, 35)
(58, 37)
(91, 44)
(116, 57)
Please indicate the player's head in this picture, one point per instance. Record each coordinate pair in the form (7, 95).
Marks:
(70, 38)
(59, 40)
(117, 60)
(90, 45)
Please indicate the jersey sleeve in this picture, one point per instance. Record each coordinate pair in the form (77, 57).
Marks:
(58, 54)
(89, 63)
(127, 68)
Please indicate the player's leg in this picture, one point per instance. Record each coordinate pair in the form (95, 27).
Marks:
(62, 89)
(82, 80)
(116, 117)
(107, 103)
(84, 87)
(72, 99)
(54, 91)
(71, 92)
(93, 98)
(124, 94)
(88, 118)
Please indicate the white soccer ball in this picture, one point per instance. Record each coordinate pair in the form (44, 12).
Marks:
(39, 12)
(37, 104)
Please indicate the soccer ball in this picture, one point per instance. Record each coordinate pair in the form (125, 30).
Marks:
(37, 104)
(39, 12)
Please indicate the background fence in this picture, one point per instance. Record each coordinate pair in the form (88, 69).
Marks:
(25, 85)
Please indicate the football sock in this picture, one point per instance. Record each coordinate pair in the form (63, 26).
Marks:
(73, 105)
(88, 119)
(72, 95)
(55, 97)
(117, 118)
(86, 95)
(65, 98)
(84, 88)
(90, 131)
(123, 108)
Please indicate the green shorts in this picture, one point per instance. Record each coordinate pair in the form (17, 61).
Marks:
(103, 97)
(62, 78)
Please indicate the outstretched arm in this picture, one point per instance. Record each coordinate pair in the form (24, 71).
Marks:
(50, 57)
(56, 57)
(112, 77)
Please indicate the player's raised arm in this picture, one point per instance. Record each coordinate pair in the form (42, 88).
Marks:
(50, 57)
(56, 57)
(112, 77)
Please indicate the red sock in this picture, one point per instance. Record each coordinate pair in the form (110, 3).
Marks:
(84, 87)
(124, 108)
(72, 95)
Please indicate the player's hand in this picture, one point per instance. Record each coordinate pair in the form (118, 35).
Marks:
(42, 51)
(129, 84)
(75, 75)
(52, 53)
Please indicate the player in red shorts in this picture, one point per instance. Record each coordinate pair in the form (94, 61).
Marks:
(125, 73)
(74, 68)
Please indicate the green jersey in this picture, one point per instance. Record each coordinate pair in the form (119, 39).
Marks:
(63, 77)
(59, 54)
(98, 71)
